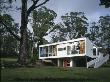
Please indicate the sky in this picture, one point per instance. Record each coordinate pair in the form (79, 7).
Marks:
(91, 9)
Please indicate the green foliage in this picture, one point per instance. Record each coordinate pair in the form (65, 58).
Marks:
(34, 55)
(5, 5)
(106, 3)
(94, 34)
(100, 33)
(76, 24)
(104, 24)
(33, 58)
(10, 22)
(42, 21)
(8, 44)
(58, 33)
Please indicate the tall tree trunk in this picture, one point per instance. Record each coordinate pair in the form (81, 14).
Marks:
(23, 52)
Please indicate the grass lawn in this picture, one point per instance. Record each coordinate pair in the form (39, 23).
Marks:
(55, 74)
(9, 59)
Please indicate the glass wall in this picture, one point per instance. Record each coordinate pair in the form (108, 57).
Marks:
(43, 51)
(48, 51)
(77, 47)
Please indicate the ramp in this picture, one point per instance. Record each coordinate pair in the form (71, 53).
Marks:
(99, 61)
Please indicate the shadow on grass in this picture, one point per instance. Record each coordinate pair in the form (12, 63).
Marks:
(57, 80)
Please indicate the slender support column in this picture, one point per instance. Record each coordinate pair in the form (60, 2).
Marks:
(96, 51)
(58, 62)
(71, 62)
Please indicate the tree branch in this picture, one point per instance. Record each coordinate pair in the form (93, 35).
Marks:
(9, 30)
(33, 1)
(34, 6)
(41, 4)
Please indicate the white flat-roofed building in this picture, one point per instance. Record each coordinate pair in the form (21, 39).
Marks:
(79, 52)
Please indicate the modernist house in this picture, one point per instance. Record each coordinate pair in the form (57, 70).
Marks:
(79, 52)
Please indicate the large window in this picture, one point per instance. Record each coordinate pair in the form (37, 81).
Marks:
(50, 50)
(43, 51)
(82, 47)
(61, 49)
(68, 50)
(94, 51)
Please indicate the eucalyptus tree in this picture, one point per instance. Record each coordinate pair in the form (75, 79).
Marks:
(104, 24)
(100, 33)
(58, 33)
(43, 22)
(95, 33)
(26, 9)
(76, 24)
(8, 44)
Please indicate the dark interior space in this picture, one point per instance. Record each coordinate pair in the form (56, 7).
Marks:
(80, 61)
